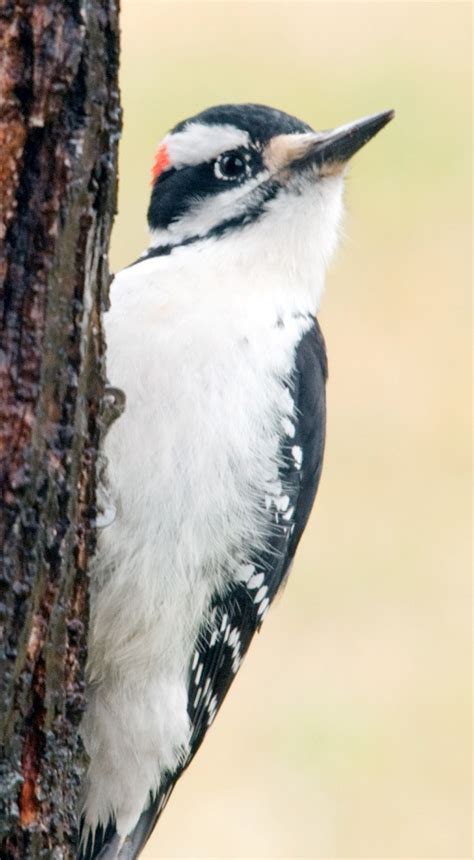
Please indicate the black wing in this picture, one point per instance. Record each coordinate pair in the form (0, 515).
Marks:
(235, 617)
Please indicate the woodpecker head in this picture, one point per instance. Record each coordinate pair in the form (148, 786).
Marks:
(239, 171)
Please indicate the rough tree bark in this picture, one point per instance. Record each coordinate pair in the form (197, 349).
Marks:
(59, 127)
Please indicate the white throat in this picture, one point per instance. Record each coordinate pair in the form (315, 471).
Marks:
(281, 256)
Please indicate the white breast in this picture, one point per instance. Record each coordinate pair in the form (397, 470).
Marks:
(204, 367)
(205, 382)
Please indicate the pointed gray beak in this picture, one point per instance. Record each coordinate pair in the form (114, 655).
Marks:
(340, 144)
(329, 150)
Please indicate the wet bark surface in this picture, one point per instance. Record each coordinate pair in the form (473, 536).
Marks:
(59, 126)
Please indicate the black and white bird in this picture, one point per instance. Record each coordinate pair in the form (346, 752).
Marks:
(214, 465)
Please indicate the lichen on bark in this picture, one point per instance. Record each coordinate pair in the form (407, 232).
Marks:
(59, 128)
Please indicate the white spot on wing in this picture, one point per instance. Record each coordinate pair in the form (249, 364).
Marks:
(297, 455)
(256, 581)
(288, 427)
(245, 572)
(260, 594)
(263, 607)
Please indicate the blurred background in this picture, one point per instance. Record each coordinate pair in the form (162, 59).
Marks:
(347, 731)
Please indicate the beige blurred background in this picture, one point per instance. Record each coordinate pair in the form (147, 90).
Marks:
(347, 732)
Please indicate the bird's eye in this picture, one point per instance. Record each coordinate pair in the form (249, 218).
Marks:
(230, 165)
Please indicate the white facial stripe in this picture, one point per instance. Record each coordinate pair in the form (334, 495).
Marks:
(206, 213)
(198, 142)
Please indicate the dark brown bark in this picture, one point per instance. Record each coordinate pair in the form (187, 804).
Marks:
(59, 125)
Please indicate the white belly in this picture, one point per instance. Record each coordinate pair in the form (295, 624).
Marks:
(188, 465)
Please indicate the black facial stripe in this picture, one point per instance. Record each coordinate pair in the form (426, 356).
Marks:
(175, 191)
(267, 191)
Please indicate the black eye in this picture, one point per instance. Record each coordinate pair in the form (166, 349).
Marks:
(230, 165)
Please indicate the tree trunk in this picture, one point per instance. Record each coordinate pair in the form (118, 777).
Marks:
(59, 127)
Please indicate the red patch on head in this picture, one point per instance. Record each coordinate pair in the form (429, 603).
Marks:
(162, 161)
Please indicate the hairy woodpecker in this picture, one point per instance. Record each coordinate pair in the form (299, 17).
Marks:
(214, 465)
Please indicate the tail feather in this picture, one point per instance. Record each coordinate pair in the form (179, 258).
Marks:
(106, 844)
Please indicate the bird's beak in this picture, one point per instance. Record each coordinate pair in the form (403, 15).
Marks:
(328, 150)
